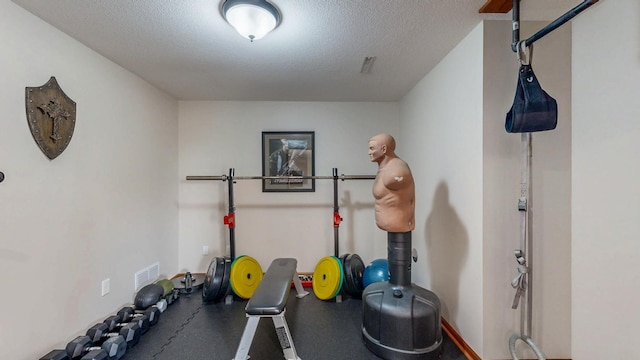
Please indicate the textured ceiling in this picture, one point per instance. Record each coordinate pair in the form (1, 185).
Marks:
(186, 49)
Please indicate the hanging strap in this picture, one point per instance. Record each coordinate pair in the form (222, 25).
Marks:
(519, 282)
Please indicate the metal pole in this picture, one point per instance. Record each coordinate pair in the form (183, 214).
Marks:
(221, 178)
(225, 177)
(528, 247)
(357, 177)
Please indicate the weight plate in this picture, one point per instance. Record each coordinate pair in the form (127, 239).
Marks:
(246, 274)
(343, 258)
(213, 280)
(353, 271)
(197, 281)
(327, 278)
(225, 287)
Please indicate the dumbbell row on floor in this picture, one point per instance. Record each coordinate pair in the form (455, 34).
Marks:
(119, 331)
(128, 336)
(83, 348)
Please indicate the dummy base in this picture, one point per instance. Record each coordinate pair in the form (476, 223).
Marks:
(401, 322)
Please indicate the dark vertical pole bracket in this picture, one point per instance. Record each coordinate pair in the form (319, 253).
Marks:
(336, 215)
(232, 210)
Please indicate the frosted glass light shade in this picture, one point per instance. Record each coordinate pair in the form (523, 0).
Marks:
(252, 19)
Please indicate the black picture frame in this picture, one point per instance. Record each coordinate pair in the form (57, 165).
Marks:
(289, 157)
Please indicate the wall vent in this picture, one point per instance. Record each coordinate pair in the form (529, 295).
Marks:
(146, 275)
(154, 271)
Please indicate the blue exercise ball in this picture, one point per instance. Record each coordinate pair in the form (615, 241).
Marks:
(376, 271)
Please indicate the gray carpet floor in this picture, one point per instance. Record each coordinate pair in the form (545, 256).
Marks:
(321, 330)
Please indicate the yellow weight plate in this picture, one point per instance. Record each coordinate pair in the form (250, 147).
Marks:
(246, 274)
(327, 278)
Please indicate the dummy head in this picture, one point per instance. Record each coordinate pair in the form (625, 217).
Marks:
(381, 146)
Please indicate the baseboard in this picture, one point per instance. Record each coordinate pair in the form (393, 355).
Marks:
(466, 350)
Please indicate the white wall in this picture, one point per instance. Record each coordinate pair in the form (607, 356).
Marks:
(108, 205)
(105, 208)
(605, 195)
(442, 134)
(550, 202)
(216, 136)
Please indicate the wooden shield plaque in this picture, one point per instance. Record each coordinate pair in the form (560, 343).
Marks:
(51, 115)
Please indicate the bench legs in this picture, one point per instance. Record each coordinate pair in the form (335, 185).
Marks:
(247, 337)
(284, 336)
(298, 285)
(282, 330)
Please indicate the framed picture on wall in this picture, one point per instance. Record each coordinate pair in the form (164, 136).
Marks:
(287, 159)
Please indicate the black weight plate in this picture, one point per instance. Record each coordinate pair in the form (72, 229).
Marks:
(353, 270)
(213, 280)
(343, 258)
(225, 288)
(347, 282)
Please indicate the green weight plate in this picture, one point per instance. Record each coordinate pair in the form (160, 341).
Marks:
(327, 278)
(246, 274)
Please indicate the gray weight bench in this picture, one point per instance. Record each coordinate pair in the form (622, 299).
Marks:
(269, 300)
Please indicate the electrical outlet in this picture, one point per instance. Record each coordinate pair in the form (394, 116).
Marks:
(205, 250)
(105, 286)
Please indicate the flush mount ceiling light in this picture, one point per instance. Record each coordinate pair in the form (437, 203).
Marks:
(253, 19)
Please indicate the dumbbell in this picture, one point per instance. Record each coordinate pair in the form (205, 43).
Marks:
(163, 303)
(99, 334)
(130, 331)
(142, 321)
(148, 317)
(56, 355)
(82, 348)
